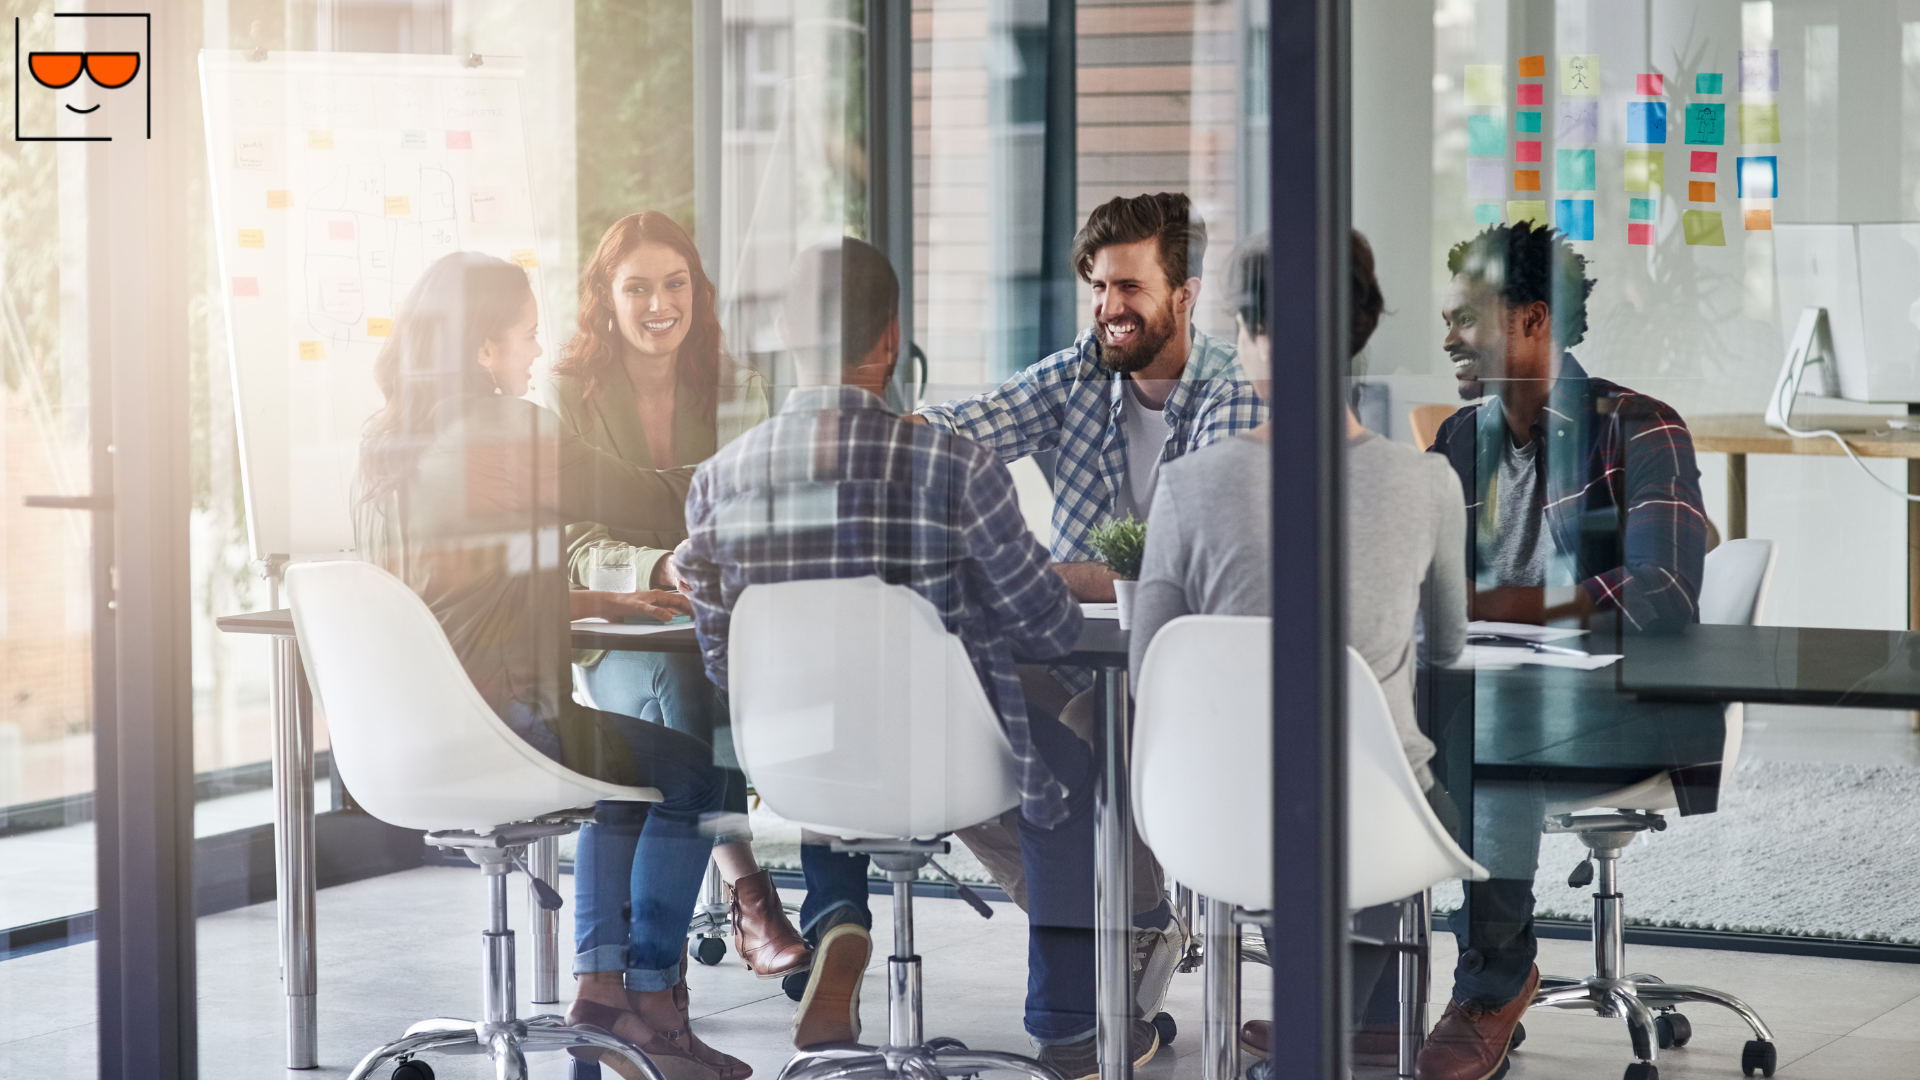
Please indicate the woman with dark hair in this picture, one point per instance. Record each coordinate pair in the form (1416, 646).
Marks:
(461, 486)
(647, 379)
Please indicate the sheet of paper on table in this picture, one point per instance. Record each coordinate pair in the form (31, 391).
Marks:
(1100, 611)
(1503, 657)
(1525, 631)
(602, 626)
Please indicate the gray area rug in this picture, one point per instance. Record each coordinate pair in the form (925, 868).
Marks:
(1798, 848)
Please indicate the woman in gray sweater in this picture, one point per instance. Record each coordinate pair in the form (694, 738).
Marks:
(1209, 552)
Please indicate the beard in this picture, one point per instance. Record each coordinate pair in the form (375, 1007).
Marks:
(1152, 336)
(1470, 377)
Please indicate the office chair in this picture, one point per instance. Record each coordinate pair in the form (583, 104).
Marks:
(422, 750)
(859, 716)
(1732, 590)
(1205, 683)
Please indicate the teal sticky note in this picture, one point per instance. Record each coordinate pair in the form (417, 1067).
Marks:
(1708, 84)
(1526, 123)
(1641, 209)
(1573, 170)
(1707, 124)
(1486, 135)
(1486, 213)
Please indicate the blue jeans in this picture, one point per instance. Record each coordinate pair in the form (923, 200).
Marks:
(638, 867)
(673, 689)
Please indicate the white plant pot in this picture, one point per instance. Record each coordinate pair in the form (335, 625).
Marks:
(1123, 595)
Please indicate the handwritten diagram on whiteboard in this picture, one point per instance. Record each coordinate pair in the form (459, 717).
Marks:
(337, 179)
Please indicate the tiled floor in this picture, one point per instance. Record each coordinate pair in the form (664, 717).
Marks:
(404, 947)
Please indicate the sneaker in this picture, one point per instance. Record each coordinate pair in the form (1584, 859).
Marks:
(1156, 954)
(829, 1011)
(1079, 1061)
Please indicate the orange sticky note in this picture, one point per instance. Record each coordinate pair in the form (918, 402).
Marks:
(399, 206)
(1699, 191)
(279, 200)
(1526, 179)
(1759, 220)
(524, 257)
(319, 140)
(253, 238)
(1533, 67)
(312, 350)
(379, 327)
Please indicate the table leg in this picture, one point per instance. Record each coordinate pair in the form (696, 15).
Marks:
(1913, 562)
(543, 862)
(293, 848)
(1113, 883)
(1737, 496)
(1220, 1001)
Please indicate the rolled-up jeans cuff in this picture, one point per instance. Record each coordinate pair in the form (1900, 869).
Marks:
(600, 958)
(1055, 1039)
(726, 828)
(647, 982)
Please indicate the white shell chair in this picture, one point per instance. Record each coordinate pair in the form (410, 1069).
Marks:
(856, 714)
(420, 748)
(1733, 590)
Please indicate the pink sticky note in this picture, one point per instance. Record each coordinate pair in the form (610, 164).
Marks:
(1649, 85)
(246, 286)
(1639, 233)
(339, 230)
(1528, 94)
(1526, 151)
(459, 140)
(1705, 161)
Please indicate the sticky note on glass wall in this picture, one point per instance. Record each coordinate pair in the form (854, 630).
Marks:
(1527, 210)
(459, 140)
(413, 140)
(1642, 209)
(253, 238)
(1526, 150)
(1759, 69)
(1646, 121)
(1580, 75)
(279, 200)
(339, 230)
(312, 350)
(1573, 170)
(246, 286)
(398, 206)
(1704, 161)
(1486, 135)
(1709, 83)
(489, 205)
(1646, 170)
(1759, 220)
(1650, 85)
(319, 140)
(1526, 179)
(1485, 83)
(1703, 228)
(1486, 213)
(1533, 67)
(1532, 93)
(1526, 123)
(1486, 178)
(1707, 124)
(1759, 124)
(379, 327)
(524, 257)
(1639, 232)
(1579, 121)
(1574, 217)
(1758, 177)
(1699, 191)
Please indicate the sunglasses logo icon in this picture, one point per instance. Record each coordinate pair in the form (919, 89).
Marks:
(59, 70)
(48, 91)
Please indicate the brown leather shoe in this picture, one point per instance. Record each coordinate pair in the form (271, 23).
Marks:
(1471, 1043)
(762, 936)
(602, 1000)
(728, 1066)
(1256, 1037)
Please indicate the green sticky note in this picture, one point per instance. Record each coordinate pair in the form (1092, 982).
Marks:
(1642, 209)
(1707, 124)
(1526, 122)
(1484, 82)
(1646, 170)
(1527, 210)
(1708, 84)
(1703, 227)
(1486, 135)
(1759, 123)
(1573, 170)
(1486, 213)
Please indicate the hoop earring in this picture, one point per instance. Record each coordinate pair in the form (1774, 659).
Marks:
(610, 327)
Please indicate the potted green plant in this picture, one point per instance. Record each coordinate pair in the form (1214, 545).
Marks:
(1120, 544)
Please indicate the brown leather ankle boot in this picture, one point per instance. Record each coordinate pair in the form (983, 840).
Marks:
(666, 1013)
(602, 1000)
(761, 933)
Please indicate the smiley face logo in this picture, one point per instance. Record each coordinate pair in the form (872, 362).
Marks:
(114, 62)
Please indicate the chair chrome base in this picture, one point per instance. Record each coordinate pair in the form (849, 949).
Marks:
(502, 1036)
(907, 1055)
(1636, 998)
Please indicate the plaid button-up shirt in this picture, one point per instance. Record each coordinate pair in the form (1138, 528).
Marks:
(1070, 402)
(836, 486)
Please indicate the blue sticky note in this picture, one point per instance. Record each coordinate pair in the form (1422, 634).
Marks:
(1707, 125)
(1526, 122)
(1573, 170)
(1641, 209)
(1486, 135)
(1646, 121)
(1574, 217)
(1486, 213)
(1759, 177)
(1708, 84)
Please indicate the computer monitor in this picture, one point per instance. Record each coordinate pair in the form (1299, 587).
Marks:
(1867, 278)
(1816, 266)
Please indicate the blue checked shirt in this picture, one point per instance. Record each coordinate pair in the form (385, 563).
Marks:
(1068, 401)
(836, 486)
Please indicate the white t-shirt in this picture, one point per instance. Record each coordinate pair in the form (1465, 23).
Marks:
(1146, 433)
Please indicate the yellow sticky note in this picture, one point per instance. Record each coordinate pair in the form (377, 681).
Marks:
(379, 327)
(1484, 82)
(1646, 170)
(1704, 227)
(1759, 124)
(524, 257)
(312, 350)
(279, 200)
(319, 140)
(399, 206)
(253, 238)
(1580, 75)
(1534, 210)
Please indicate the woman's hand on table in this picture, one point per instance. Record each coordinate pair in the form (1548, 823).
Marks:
(661, 604)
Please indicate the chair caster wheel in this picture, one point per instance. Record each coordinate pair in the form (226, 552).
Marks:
(1672, 1030)
(413, 1069)
(583, 1069)
(1642, 1070)
(710, 950)
(1163, 1023)
(1519, 1036)
(1758, 1056)
(796, 984)
(943, 1043)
